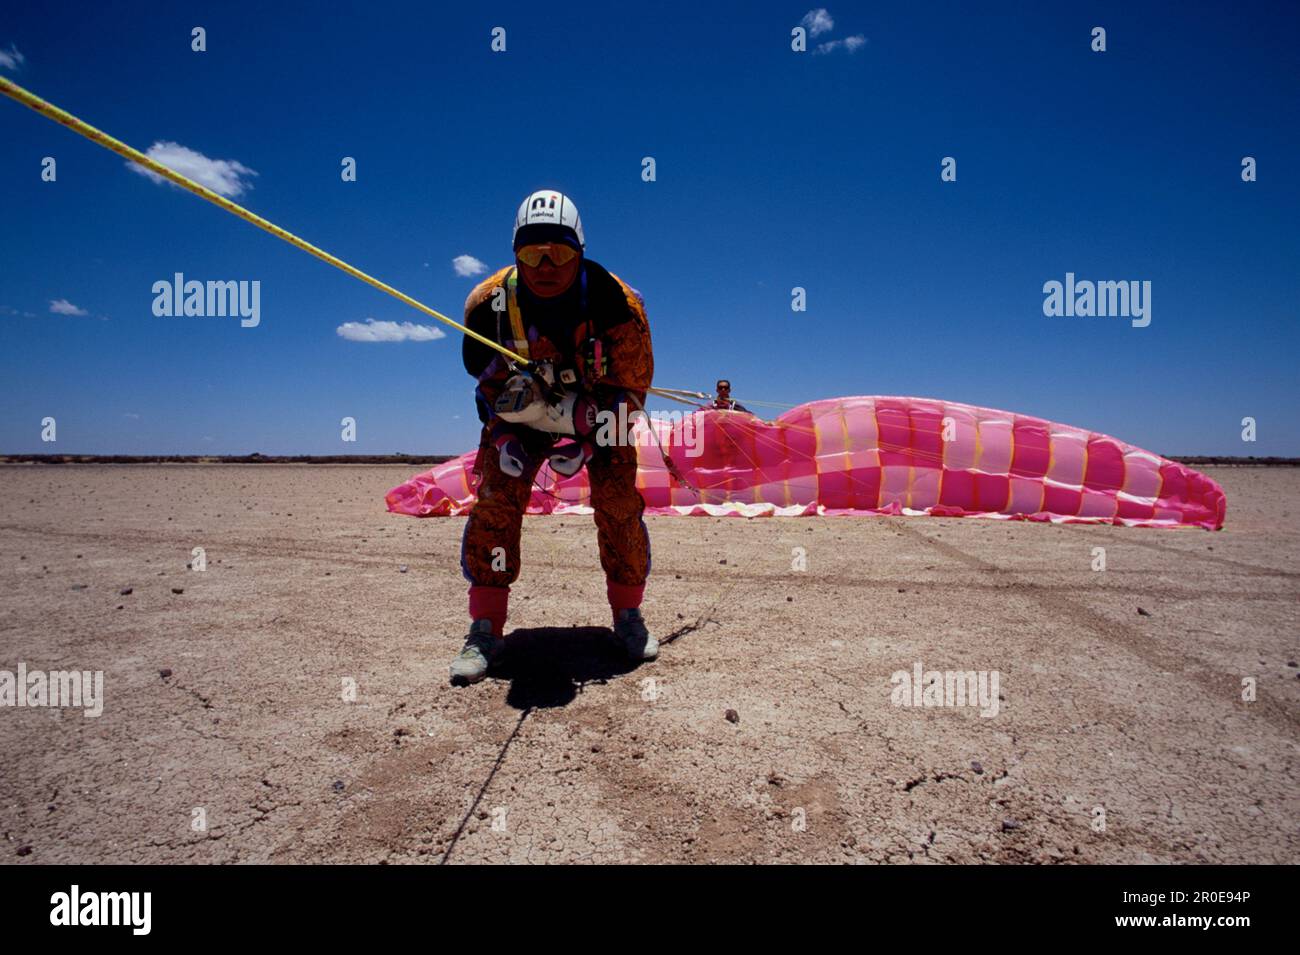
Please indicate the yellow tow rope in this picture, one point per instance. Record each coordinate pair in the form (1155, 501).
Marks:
(29, 99)
(49, 110)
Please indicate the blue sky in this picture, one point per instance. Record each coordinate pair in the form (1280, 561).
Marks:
(775, 170)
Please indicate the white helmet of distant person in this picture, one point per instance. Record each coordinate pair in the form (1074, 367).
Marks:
(546, 207)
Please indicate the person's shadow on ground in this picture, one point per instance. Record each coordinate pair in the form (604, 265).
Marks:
(549, 666)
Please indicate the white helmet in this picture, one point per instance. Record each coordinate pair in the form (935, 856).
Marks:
(547, 207)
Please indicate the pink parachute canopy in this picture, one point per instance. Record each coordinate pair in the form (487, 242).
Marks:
(872, 455)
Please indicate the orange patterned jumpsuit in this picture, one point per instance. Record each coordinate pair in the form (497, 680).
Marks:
(598, 307)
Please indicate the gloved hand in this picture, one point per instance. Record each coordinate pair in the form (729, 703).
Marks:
(512, 457)
(574, 414)
(568, 459)
(520, 401)
(585, 410)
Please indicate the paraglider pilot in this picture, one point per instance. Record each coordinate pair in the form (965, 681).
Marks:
(586, 334)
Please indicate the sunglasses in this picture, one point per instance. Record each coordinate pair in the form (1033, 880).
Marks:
(557, 252)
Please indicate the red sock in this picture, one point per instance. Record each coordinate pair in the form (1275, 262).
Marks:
(623, 596)
(489, 603)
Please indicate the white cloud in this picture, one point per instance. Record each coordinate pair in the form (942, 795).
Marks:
(817, 22)
(11, 59)
(849, 43)
(467, 265)
(225, 177)
(132, 415)
(373, 331)
(61, 306)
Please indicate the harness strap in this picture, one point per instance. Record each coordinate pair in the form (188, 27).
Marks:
(520, 345)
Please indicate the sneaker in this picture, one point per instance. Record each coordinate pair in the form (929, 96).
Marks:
(631, 632)
(481, 648)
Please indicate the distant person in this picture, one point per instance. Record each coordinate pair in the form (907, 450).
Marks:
(724, 401)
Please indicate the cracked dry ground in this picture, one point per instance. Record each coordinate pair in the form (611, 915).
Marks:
(1140, 714)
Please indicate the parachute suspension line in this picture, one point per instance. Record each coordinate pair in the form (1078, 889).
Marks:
(680, 394)
(768, 404)
(669, 463)
(50, 111)
(667, 393)
(683, 391)
(695, 397)
(753, 433)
